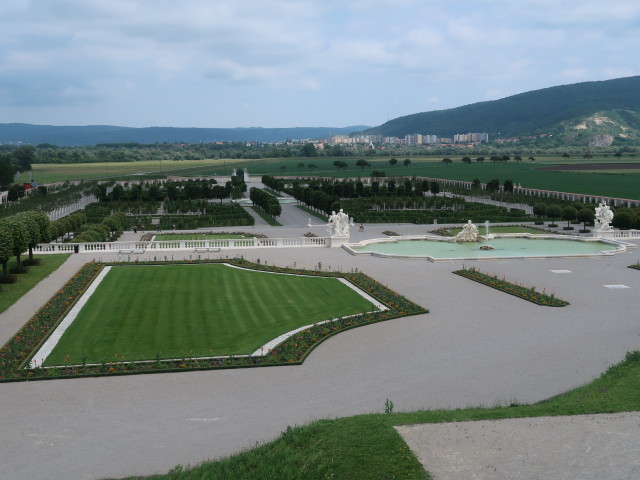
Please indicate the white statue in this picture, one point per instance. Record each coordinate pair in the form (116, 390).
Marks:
(339, 224)
(469, 233)
(333, 224)
(604, 216)
(344, 223)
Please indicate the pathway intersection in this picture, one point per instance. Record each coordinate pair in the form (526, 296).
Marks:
(475, 347)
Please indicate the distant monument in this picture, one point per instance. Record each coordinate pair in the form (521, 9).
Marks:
(469, 233)
(604, 216)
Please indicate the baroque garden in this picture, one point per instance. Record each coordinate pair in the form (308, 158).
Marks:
(206, 285)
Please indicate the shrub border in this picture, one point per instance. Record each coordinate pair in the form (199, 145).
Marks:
(16, 353)
(526, 293)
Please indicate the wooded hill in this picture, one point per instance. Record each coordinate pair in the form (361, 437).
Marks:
(97, 134)
(576, 112)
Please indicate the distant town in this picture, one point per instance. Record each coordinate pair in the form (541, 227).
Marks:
(410, 140)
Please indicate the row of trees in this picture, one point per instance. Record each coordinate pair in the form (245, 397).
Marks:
(189, 190)
(267, 202)
(21, 232)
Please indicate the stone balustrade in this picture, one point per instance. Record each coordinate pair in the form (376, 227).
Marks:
(177, 245)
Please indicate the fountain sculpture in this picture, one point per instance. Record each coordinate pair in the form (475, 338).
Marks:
(604, 216)
(469, 233)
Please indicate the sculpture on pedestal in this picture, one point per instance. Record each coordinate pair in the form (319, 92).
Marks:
(604, 216)
(339, 224)
(469, 233)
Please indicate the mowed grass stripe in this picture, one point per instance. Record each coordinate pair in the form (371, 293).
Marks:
(140, 312)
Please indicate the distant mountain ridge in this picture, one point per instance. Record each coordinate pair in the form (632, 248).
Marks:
(95, 134)
(554, 110)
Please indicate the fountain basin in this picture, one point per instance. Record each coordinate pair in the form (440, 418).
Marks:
(521, 245)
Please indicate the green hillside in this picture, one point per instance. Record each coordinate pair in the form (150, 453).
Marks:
(554, 110)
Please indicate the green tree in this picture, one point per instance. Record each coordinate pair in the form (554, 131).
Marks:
(554, 212)
(508, 186)
(569, 214)
(7, 172)
(434, 188)
(493, 185)
(362, 163)
(6, 248)
(622, 220)
(308, 150)
(446, 161)
(19, 234)
(586, 215)
(393, 161)
(33, 230)
(466, 160)
(24, 157)
(406, 162)
(540, 209)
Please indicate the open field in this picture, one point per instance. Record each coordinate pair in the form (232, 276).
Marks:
(144, 312)
(622, 183)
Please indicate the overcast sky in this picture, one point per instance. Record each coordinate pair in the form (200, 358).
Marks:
(285, 63)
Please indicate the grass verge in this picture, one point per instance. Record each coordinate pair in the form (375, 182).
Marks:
(11, 292)
(262, 214)
(317, 215)
(367, 447)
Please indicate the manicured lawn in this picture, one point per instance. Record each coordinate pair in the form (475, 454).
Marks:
(11, 292)
(171, 311)
(367, 447)
(193, 236)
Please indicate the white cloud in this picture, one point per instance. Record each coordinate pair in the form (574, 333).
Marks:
(361, 56)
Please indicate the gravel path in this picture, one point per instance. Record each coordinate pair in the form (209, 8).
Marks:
(585, 447)
(477, 346)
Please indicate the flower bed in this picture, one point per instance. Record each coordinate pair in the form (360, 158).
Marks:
(16, 353)
(527, 293)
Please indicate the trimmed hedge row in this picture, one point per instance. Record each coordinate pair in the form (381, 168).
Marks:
(529, 294)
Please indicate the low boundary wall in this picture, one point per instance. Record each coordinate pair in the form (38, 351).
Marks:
(173, 245)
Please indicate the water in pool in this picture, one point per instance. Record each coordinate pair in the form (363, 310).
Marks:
(502, 247)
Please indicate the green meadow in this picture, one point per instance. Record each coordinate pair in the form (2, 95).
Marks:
(614, 183)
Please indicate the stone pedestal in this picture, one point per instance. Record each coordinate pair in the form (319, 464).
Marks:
(338, 241)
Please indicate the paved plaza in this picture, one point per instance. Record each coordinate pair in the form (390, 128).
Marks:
(477, 346)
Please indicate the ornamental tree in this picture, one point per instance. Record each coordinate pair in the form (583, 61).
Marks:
(6, 248)
(19, 234)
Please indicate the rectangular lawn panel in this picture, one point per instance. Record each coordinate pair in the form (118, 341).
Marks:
(171, 311)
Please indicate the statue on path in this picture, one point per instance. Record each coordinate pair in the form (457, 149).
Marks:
(469, 233)
(339, 224)
(604, 216)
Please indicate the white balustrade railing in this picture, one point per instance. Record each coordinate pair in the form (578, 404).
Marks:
(618, 234)
(173, 245)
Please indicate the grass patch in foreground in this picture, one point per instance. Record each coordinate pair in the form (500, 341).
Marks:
(367, 447)
(11, 292)
(172, 311)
